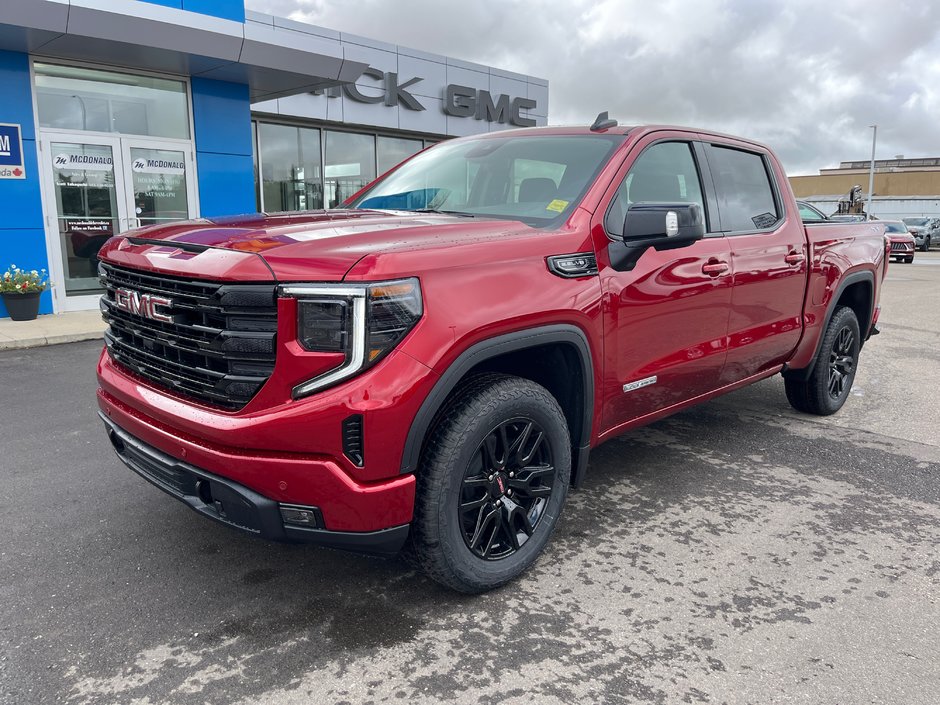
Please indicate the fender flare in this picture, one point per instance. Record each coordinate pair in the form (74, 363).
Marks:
(494, 347)
(866, 276)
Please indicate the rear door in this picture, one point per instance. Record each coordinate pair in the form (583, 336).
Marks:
(665, 317)
(768, 256)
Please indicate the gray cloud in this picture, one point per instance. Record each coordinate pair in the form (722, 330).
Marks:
(805, 77)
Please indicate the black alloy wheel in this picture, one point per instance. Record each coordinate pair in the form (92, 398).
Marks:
(506, 489)
(841, 362)
(491, 484)
(824, 390)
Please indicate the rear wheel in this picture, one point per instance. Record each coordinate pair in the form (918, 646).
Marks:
(828, 386)
(492, 484)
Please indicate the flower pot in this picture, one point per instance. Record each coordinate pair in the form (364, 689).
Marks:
(22, 307)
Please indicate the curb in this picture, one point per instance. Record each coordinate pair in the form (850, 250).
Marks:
(42, 341)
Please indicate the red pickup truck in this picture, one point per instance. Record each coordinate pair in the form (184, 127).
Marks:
(427, 368)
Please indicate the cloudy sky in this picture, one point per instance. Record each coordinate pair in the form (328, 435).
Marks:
(805, 76)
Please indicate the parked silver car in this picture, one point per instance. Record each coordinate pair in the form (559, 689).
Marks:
(922, 229)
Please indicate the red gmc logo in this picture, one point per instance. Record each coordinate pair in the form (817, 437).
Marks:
(142, 304)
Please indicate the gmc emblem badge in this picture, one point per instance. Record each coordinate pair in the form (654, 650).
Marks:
(143, 304)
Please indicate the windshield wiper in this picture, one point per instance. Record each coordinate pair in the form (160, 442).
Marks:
(460, 214)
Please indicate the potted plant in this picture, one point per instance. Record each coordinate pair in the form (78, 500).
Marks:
(20, 290)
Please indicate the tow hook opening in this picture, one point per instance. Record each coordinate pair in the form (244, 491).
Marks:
(204, 490)
(115, 440)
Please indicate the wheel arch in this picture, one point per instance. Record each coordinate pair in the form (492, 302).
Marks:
(857, 291)
(561, 349)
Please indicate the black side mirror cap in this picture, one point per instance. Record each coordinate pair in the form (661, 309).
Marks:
(662, 226)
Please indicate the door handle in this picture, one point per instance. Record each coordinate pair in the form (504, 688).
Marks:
(714, 267)
(794, 258)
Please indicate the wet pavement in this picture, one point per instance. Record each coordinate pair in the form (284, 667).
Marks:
(735, 553)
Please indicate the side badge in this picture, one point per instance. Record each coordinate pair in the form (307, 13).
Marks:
(639, 384)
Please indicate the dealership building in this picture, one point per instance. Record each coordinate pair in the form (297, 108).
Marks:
(122, 113)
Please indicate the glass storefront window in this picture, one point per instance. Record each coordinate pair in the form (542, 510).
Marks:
(349, 164)
(290, 168)
(78, 98)
(392, 151)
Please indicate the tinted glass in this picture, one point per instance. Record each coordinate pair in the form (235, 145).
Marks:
(77, 98)
(807, 212)
(915, 221)
(895, 228)
(290, 168)
(536, 179)
(392, 151)
(664, 172)
(745, 195)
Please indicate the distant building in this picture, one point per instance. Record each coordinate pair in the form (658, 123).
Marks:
(903, 187)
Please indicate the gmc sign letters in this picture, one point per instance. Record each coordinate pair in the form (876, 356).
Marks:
(459, 101)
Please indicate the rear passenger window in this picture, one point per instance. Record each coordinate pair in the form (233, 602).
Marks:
(664, 172)
(745, 194)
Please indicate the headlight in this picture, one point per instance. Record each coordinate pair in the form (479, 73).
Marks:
(365, 322)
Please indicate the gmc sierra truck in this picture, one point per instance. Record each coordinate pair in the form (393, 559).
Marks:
(426, 369)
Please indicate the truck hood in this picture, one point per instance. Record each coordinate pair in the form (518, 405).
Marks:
(320, 245)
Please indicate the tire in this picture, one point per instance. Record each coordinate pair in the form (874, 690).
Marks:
(926, 246)
(909, 260)
(472, 533)
(827, 388)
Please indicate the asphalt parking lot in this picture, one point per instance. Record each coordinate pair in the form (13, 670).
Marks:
(735, 553)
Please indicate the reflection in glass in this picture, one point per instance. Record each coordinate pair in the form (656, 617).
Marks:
(290, 168)
(392, 151)
(78, 98)
(349, 164)
(86, 209)
(159, 183)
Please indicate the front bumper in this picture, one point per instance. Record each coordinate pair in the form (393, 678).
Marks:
(237, 506)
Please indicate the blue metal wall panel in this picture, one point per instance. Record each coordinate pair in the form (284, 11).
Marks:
(26, 249)
(226, 9)
(222, 113)
(22, 237)
(222, 119)
(226, 184)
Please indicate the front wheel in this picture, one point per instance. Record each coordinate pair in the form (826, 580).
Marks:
(926, 246)
(828, 386)
(491, 485)
(909, 260)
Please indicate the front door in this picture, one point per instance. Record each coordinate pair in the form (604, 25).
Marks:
(666, 317)
(99, 186)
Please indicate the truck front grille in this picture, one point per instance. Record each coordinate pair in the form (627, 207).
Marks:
(902, 247)
(212, 342)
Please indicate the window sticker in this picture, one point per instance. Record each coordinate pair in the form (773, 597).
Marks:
(557, 205)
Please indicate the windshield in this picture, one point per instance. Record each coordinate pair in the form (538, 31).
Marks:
(915, 221)
(535, 179)
(895, 228)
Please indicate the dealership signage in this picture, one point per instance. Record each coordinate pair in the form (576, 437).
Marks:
(459, 101)
(11, 152)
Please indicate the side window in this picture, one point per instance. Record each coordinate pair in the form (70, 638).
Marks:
(745, 194)
(664, 172)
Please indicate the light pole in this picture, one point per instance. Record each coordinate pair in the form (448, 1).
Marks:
(871, 170)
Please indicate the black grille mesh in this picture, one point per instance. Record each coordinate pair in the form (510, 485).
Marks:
(219, 347)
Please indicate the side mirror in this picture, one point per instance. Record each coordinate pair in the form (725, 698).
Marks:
(662, 226)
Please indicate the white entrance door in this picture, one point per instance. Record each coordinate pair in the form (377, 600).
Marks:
(101, 186)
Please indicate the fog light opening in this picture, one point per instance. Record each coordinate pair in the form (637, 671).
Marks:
(299, 515)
